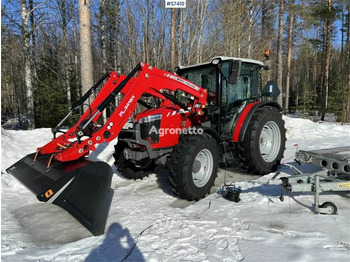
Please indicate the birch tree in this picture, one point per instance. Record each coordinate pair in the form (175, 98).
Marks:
(86, 65)
(25, 13)
(65, 51)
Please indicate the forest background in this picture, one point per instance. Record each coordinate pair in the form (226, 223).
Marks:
(43, 71)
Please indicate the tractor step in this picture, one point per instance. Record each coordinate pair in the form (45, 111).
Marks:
(81, 187)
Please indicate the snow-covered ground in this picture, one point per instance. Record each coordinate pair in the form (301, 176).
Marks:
(147, 223)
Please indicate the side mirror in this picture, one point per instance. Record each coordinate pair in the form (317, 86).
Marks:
(271, 89)
(235, 69)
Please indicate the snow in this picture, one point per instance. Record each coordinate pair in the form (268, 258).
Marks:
(148, 223)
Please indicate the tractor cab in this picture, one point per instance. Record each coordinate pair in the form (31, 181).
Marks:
(231, 83)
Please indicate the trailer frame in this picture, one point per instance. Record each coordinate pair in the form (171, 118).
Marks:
(334, 177)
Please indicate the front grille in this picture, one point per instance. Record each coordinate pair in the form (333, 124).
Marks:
(150, 131)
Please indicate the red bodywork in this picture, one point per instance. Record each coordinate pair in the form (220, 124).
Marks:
(241, 119)
(173, 121)
(153, 81)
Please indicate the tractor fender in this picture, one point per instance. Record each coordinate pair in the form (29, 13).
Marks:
(214, 134)
(244, 118)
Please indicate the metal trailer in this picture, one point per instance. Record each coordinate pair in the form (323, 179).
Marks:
(335, 175)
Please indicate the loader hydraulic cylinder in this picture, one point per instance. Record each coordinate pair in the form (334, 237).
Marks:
(89, 92)
(116, 91)
(80, 102)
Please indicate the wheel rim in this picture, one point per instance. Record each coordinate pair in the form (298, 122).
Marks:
(270, 141)
(330, 209)
(202, 168)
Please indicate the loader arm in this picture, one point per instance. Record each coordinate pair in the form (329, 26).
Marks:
(82, 138)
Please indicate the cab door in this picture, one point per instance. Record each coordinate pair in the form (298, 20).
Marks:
(236, 96)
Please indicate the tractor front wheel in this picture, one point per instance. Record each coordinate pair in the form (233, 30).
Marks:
(129, 169)
(264, 142)
(193, 166)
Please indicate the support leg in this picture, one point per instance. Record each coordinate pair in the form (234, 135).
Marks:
(317, 194)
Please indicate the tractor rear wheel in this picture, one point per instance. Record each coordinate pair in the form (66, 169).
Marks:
(129, 169)
(193, 166)
(264, 142)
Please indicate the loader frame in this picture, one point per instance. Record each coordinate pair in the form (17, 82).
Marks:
(81, 139)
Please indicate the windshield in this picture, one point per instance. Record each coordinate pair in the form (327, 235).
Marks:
(201, 76)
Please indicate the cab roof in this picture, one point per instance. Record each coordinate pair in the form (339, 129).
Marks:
(223, 58)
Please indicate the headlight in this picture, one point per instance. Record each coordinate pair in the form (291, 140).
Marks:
(150, 118)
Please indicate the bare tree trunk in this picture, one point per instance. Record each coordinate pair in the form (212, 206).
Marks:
(75, 43)
(327, 61)
(85, 46)
(145, 31)
(289, 55)
(66, 76)
(33, 39)
(27, 64)
(103, 34)
(179, 39)
(346, 76)
(297, 93)
(250, 28)
(347, 114)
(131, 33)
(315, 72)
(267, 29)
(155, 54)
(280, 52)
(118, 44)
(200, 33)
(103, 45)
(239, 37)
(172, 39)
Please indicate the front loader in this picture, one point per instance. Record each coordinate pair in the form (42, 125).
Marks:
(201, 116)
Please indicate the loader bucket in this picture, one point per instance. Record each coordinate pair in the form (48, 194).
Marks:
(81, 187)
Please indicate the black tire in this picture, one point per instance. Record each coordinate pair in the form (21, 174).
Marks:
(186, 158)
(332, 209)
(129, 169)
(265, 132)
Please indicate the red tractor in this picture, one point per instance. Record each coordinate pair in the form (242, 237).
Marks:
(194, 119)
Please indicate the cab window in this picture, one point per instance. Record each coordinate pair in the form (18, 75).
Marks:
(245, 88)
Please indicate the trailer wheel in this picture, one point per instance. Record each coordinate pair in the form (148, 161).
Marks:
(264, 142)
(193, 166)
(331, 208)
(129, 169)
